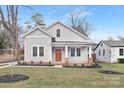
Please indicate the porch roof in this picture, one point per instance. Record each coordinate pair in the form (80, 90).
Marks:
(70, 43)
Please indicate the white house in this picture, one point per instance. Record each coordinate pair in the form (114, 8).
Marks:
(56, 43)
(110, 51)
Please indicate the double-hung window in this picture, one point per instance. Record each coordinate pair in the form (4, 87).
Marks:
(34, 51)
(103, 52)
(41, 51)
(75, 52)
(99, 52)
(72, 52)
(78, 52)
(37, 51)
(58, 32)
(121, 52)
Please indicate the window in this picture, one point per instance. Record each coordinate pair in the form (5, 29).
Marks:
(72, 52)
(75, 52)
(88, 49)
(99, 52)
(103, 52)
(101, 45)
(78, 52)
(34, 51)
(37, 51)
(41, 51)
(58, 33)
(121, 52)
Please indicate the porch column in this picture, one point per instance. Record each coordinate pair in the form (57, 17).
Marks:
(90, 52)
(66, 51)
(50, 53)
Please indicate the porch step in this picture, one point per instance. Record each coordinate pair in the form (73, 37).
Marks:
(58, 66)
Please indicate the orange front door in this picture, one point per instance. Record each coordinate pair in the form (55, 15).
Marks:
(58, 54)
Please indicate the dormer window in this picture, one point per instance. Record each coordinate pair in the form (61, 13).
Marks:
(58, 32)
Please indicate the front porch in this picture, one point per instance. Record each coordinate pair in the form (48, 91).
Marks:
(70, 54)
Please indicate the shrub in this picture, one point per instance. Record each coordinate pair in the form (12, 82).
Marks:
(32, 62)
(19, 63)
(75, 65)
(82, 65)
(66, 64)
(49, 62)
(121, 60)
(40, 62)
(24, 63)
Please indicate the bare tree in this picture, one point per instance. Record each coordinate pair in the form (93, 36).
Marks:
(10, 23)
(79, 22)
(110, 38)
(121, 38)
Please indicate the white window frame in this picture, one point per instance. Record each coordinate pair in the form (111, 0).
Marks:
(103, 52)
(38, 56)
(75, 52)
(80, 52)
(57, 33)
(119, 51)
(32, 51)
(71, 52)
(99, 52)
(43, 51)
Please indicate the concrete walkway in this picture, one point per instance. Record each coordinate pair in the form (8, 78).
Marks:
(8, 64)
(36, 66)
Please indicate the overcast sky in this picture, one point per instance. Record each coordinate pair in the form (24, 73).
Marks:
(106, 20)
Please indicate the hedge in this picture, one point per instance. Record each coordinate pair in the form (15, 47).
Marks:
(121, 60)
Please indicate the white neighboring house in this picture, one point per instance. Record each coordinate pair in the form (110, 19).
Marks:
(110, 51)
(56, 43)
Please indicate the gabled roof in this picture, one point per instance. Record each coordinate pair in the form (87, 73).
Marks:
(112, 43)
(93, 46)
(77, 32)
(37, 27)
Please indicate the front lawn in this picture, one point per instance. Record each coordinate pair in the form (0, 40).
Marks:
(66, 77)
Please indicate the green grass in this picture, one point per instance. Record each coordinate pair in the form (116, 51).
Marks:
(66, 77)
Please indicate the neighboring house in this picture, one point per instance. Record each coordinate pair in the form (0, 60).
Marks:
(56, 43)
(110, 51)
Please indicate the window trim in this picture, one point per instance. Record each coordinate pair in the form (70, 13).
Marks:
(75, 48)
(32, 52)
(74, 52)
(43, 51)
(99, 52)
(122, 52)
(103, 52)
(57, 33)
(77, 52)
(37, 51)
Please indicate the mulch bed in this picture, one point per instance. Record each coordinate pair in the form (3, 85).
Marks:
(95, 66)
(34, 65)
(15, 78)
(110, 72)
(92, 66)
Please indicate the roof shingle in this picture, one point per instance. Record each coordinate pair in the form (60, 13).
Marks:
(114, 43)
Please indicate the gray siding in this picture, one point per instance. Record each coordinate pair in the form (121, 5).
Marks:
(65, 34)
(34, 39)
